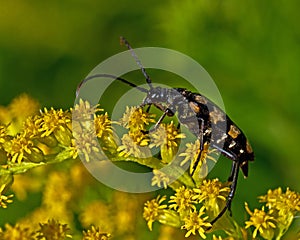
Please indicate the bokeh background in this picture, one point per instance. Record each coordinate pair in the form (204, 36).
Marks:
(251, 50)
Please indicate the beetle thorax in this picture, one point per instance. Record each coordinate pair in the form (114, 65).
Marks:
(160, 95)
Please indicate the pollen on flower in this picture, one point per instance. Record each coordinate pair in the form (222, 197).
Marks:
(94, 233)
(135, 119)
(53, 228)
(152, 210)
(183, 201)
(160, 179)
(195, 222)
(263, 222)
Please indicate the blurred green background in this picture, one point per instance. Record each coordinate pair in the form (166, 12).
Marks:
(251, 50)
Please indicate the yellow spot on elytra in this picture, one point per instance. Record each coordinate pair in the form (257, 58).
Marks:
(233, 131)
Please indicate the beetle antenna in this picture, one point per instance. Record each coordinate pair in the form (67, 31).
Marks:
(138, 61)
(108, 76)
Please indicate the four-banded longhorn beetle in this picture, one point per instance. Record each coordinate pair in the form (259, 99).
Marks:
(202, 117)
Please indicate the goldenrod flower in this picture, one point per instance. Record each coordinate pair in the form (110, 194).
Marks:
(84, 111)
(160, 179)
(17, 232)
(183, 201)
(73, 149)
(56, 122)
(87, 145)
(21, 149)
(56, 190)
(5, 115)
(217, 238)
(192, 154)
(283, 202)
(166, 137)
(19, 109)
(263, 222)
(221, 238)
(100, 214)
(4, 143)
(212, 193)
(3, 134)
(284, 206)
(94, 233)
(135, 119)
(166, 134)
(195, 222)
(53, 230)
(103, 125)
(4, 200)
(23, 106)
(153, 209)
(31, 126)
(132, 144)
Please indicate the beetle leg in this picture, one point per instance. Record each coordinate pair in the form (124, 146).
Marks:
(200, 137)
(227, 154)
(235, 174)
(167, 112)
(148, 108)
(160, 120)
(230, 178)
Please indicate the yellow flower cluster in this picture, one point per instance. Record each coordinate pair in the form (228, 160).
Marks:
(282, 209)
(95, 234)
(31, 138)
(187, 207)
(52, 229)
